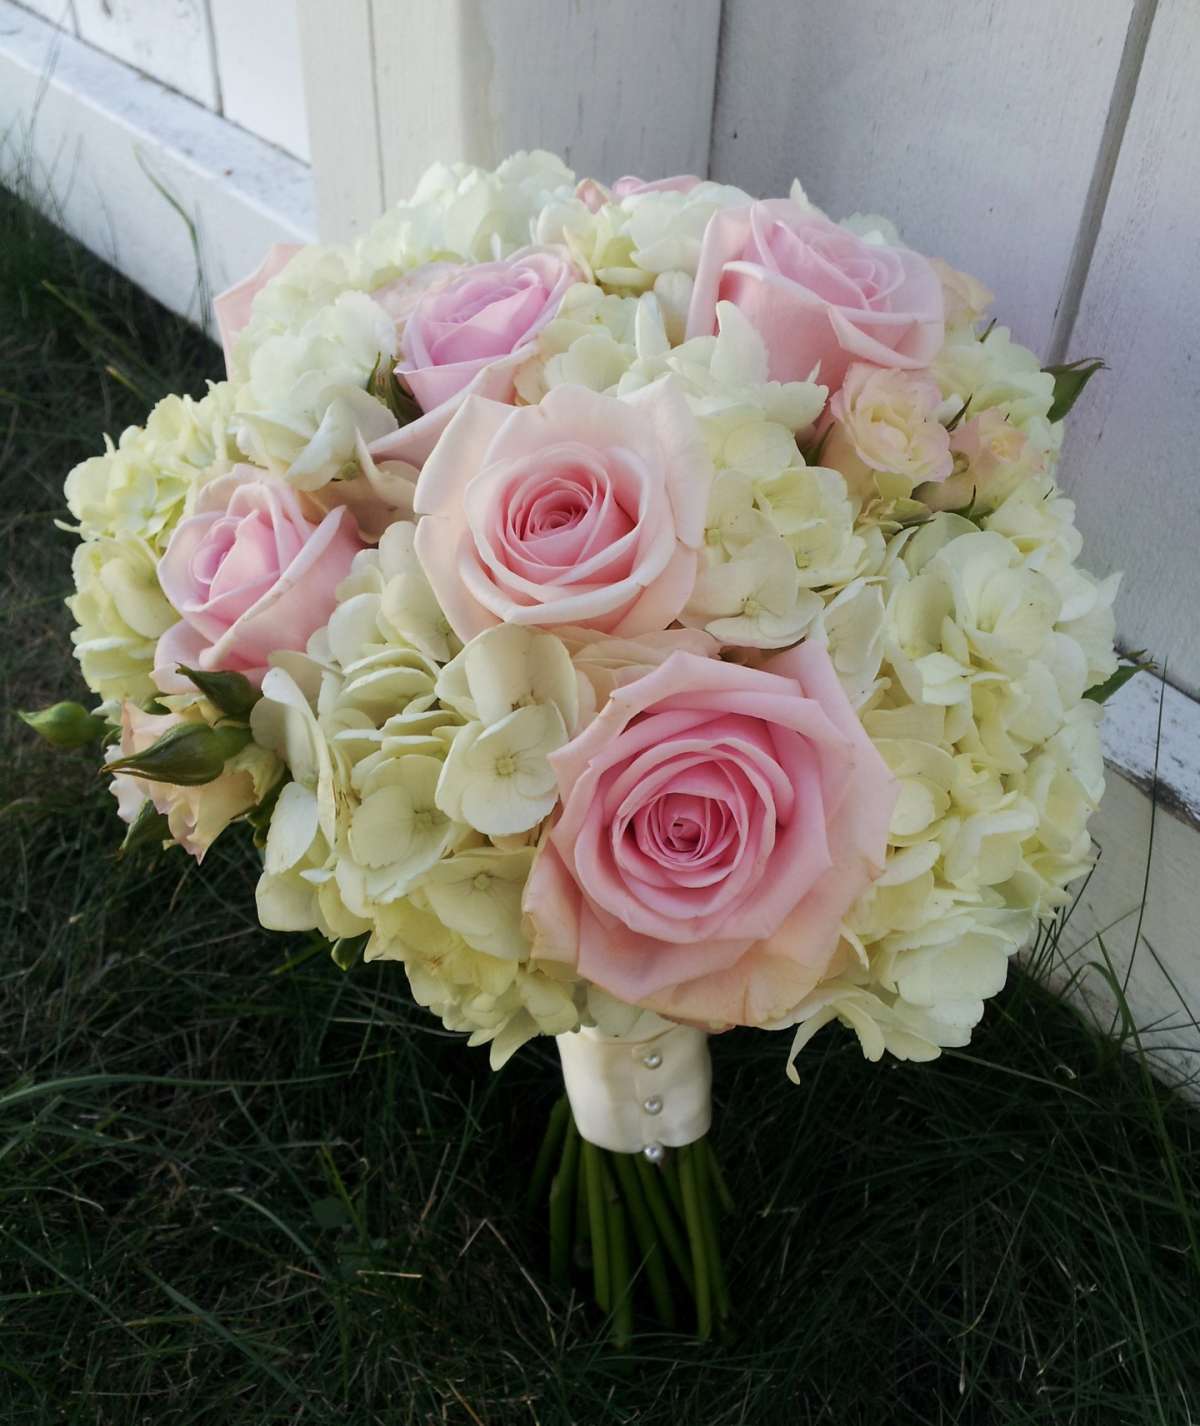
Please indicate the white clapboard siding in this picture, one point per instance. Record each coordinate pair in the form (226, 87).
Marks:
(343, 123)
(1133, 448)
(58, 12)
(259, 70)
(615, 88)
(168, 39)
(975, 127)
(114, 155)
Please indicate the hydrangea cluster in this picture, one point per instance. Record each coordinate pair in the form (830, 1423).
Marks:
(653, 603)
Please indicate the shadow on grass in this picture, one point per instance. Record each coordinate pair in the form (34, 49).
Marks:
(233, 1196)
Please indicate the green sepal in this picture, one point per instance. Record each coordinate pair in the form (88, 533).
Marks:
(384, 385)
(956, 420)
(1069, 381)
(260, 817)
(148, 829)
(347, 949)
(186, 755)
(1102, 692)
(66, 725)
(232, 693)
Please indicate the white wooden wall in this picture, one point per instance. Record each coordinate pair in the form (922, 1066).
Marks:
(239, 58)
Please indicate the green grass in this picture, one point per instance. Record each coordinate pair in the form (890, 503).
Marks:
(240, 1195)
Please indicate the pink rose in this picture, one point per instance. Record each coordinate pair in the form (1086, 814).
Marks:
(884, 421)
(196, 816)
(594, 195)
(991, 458)
(466, 332)
(818, 295)
(249, 575)
(232, 307)
(717, 824)
(584, 510)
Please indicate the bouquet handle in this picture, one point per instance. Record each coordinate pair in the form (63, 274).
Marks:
(635, 1192)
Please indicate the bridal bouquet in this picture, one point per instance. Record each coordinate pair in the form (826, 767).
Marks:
(640, 611)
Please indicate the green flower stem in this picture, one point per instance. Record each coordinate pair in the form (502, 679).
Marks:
(702, 1161)
(620, 1277)
(693, 1216)
(670, 1173)
(643, 1227)
(664, 1219)
(562, 1203)
(593, 1168)
(551, 1145)
(583, 1228)
(717, 1177)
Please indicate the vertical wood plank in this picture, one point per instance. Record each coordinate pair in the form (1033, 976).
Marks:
(1133, 454)
(624, 87)
(338, 61)
(259, 69)
(976, 128)
(168, 39)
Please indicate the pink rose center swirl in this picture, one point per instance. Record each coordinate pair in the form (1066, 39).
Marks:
(562, 512)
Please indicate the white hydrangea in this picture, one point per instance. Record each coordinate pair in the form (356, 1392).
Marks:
(990, 637)
(139, 488)
(403, 813)
(119, 612)
(626, 246)
(304, 404)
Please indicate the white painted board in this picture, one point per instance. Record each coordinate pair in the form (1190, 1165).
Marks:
(975, 127)
(620, 88)
(104, 140)
(259, 69)
(338, 57)
(167, 39)
(58, 12)
(1132, 459)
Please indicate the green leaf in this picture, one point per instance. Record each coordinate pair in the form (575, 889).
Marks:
(66, 725)
(187, 755)
(1102, 692)
(1069, 381)
(148, 829)
(232, 693)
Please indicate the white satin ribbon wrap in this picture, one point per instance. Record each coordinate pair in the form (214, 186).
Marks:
(627, 1095)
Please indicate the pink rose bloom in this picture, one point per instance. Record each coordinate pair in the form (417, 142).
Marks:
(249, 574)
(594, 195)
(818, 295)
(991, 458)
(884, 421)
(583, 510)
(467, 331)
(232, 307)
(717, 824)
(196, 816)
